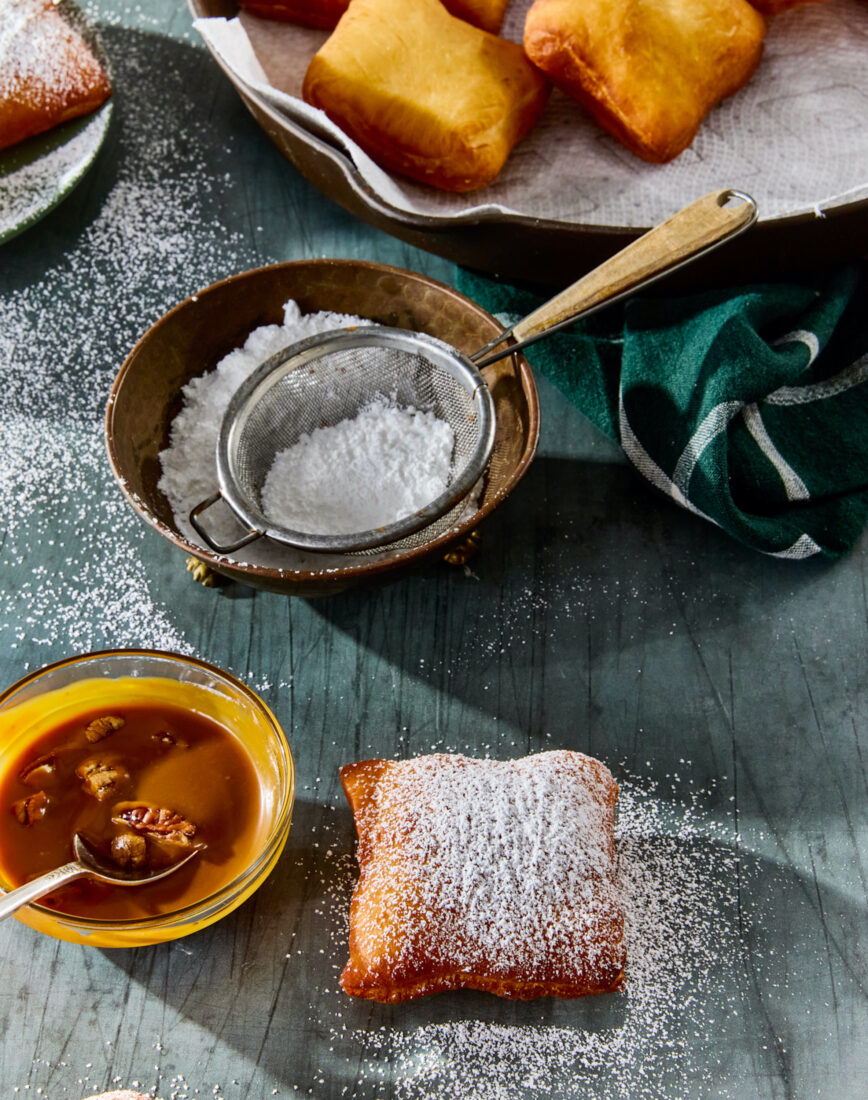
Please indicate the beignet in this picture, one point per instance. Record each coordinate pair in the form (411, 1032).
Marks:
(425, 94)
(484, 874)
(47, 72)
(648, 70)
(487, 14)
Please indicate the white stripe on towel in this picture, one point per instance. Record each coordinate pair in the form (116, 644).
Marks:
(713, 423)
(646, 465)
(851, 376)
(794, 487)
(803, 547)
(809, 339)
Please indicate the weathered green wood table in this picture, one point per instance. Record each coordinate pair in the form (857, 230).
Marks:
(726, 691)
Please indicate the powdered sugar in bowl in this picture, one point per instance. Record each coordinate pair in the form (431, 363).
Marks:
(193, 338)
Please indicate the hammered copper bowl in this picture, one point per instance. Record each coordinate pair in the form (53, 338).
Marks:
(192, 338)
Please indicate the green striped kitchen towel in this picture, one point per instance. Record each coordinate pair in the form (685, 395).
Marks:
(749, 406)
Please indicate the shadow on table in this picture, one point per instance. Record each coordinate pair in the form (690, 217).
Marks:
(729, 950)
(590, 591)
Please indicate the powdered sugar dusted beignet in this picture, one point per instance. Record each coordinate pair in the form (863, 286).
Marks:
(48, 74)
(484, 874)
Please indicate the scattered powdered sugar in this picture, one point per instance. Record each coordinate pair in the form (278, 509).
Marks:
(678, 878)
(367, 471)
(89, 589)
(155, 238)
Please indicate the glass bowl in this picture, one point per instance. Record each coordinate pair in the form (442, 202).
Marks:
(57, 692)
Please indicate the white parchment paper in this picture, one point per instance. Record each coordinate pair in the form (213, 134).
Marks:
(796, 137)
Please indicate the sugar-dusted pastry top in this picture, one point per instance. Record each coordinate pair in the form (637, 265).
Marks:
(648, 70)
(483, 874)
(424, 93)
(47, 72)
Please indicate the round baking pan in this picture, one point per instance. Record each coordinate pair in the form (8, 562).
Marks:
(523, 248)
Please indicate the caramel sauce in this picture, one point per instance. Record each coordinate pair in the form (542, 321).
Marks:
(161, 755)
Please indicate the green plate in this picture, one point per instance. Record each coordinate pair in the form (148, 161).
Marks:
(38, 173)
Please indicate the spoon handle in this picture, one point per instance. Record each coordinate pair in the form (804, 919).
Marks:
(695, 229)
(16, 899)
(698, 226)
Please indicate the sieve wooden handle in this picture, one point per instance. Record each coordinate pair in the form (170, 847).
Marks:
(699, 226)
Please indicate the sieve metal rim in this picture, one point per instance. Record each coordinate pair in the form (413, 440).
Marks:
(305, 351)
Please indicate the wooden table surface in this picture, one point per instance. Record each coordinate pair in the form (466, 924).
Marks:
(727, 692)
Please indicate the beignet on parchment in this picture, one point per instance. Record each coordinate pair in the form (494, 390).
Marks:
(48, 74)
(484, 874)
(425, 94)
(648, 70)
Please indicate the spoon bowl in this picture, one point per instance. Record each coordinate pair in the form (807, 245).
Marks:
(87, 863)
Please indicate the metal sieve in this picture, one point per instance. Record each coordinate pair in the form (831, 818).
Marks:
(332, 377)
(329, 378)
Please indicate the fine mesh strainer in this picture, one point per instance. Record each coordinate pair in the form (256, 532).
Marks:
(331, 377)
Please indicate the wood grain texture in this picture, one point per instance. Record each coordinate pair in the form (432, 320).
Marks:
(597, 617)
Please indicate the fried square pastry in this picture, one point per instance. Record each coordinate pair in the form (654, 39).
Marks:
(648, 70)
(484, 874)
(425, 94)
(48, 74)
(487, 14)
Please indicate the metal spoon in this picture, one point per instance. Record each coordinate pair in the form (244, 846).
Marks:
(87, 862)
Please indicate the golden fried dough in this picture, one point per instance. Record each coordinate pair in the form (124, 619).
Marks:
(484, 874)
(47, 72)
(486, 14)
(425, 94)
(648, 70)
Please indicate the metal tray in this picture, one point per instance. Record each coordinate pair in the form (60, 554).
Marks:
(537, 250)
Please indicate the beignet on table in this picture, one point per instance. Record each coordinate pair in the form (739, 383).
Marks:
(48, 74)
(648, 70)
(425, 94)
(483, 874)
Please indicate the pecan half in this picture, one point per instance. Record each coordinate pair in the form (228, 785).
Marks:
(129, 850)
(102, 727)
(155, 821)
(101, 779)
(31, 809)
(39, 769)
